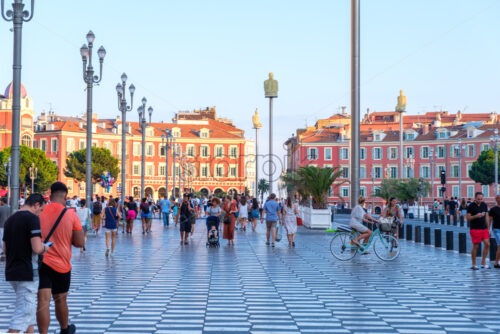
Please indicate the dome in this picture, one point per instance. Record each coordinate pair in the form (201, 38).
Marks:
(9, 89)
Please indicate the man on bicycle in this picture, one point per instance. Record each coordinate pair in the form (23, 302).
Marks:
(358, 216)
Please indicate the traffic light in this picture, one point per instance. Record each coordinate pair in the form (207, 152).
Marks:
(443, 177)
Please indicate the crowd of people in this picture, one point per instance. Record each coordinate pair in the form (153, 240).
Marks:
(38, 238)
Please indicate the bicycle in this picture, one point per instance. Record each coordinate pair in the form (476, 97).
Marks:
(386, 246)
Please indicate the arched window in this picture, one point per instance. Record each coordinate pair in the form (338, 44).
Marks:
(26, 141)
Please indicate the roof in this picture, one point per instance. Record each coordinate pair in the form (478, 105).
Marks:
(9, 91)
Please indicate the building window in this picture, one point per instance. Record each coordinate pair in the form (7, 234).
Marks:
(328, 153)
(377, 172)
(312, 153)
(362, 191)
(43, 145)
(219, 171)
(454, 191)
(408, 172)
(393, 172)
(204, 152)
(377, 153)
(345, 172)
(54, 145)
(486, 191)
(377, 191)
(219, 151)
(176, 132)
(204, 133)
(70, 186)
(232, 171)
(137, 149)
(409, 136)
(150, 170)
(470, 191)
(162, 171)
(425, 171)
(81, 144)
(26, 141)
(344, 153)
(471, 151)
(150, 148)
(454, 171)
(485, 147)
(362, 153)
(81, 185)
(393, 153)
(409, 152)
(344, 191)
(362, 172)
(424, 152)
(233, 152)
(204, 170)
(136, 169)
(119, 149)
(190, 150)
(109, 146)
(441, 152)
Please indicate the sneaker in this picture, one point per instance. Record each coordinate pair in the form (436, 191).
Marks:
(497, 266)
(272, 245)
(486, 266)
(474, 268)
(70, 330)
(107, 252)
(267, 243)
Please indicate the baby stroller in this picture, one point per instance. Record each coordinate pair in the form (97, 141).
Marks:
(212, 239)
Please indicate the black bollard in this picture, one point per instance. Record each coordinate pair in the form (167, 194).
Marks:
(427, 235)
(493, 249)
(418, 234)
(442, 219)
(401, 232)
(436, 218)
(462, 242)
(449, 240)
(425, 217)
(455, 222)
(437, 238)
(462, 221)
(409, 230)
(448, 220)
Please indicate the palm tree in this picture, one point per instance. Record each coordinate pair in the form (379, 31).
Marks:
(317, 182)
(262, 187)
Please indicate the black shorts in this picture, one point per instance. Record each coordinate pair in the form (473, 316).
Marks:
(51, 279)
(185, 225)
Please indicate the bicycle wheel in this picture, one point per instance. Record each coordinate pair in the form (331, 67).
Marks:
(386, 247)
(341, 246)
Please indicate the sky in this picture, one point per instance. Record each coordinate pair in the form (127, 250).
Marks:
(185, 55)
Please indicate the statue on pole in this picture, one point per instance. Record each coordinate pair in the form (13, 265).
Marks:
(256, 120)
(401, 107)
(271, 86)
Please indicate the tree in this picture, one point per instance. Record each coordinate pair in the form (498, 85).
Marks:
(316, 182)
(388, 188)
(483, 169)
(102, 161)
(47, 169)
(404, 190)
(262, 188)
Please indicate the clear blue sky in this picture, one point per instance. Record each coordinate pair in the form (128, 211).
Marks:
(188, 54)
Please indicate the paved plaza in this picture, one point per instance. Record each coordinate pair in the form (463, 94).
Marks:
(154, 285)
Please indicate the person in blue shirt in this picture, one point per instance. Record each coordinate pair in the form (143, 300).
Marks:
(165, 210)
(112, 216)
(273, 216)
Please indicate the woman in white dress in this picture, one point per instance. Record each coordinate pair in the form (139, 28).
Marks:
(243, 213)
(290, 219)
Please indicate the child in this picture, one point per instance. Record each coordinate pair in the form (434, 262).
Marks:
(212, 233)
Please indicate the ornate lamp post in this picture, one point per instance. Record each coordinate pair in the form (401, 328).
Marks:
(90, 79)
(494, 145)
(123, 107)
(401, 108)
(459, 149)
(167, 137)
(142, 120)
(7, 166)
(271, 92)
(33, 175)
(17, 15)
(410, 163)
(256, 125)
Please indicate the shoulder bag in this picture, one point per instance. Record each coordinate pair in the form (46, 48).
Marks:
(40, 256)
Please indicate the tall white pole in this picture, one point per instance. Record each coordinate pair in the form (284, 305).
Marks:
(355, 101)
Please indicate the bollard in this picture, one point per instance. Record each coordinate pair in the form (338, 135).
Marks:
(455, 222)
(409, 232)
(436, 218)
(462, 242)
(493, 249)
(448, 220)
(437, 238)
(449, 240)
(462, 221)
(441, 216)
(418, 234)
(427, 235)
(401, 231)
(425, 217)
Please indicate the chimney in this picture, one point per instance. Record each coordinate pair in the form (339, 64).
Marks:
(425, 129)
(343, 110)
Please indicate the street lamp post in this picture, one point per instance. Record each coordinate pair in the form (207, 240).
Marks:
(271, 92)
(256, 125)
(459, 149)
(17, 15)
(124, 108)
(90, 79)
(33, 175)
(431, 157)
(7, 165)
(174, 151)
(355, 101)
(142, 120)
(179, 154)
(372, 174)
(168, 138)
(494, 144)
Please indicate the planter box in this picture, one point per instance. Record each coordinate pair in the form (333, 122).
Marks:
(315, 218)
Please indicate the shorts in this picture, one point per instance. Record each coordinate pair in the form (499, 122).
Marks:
(478, 236)
(131, 215)
(25, 304)
(358, 227)
(496, 232)
(108, 230)
(185, 226)
(51, 279)
(271, 224)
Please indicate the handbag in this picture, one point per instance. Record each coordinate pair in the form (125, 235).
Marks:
(299, 221)
(279, 232)
(40, 256)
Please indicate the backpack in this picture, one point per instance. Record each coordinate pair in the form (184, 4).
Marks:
(145, 209)
(97, 208)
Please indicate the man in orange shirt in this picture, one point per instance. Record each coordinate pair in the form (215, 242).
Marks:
(55, 271)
